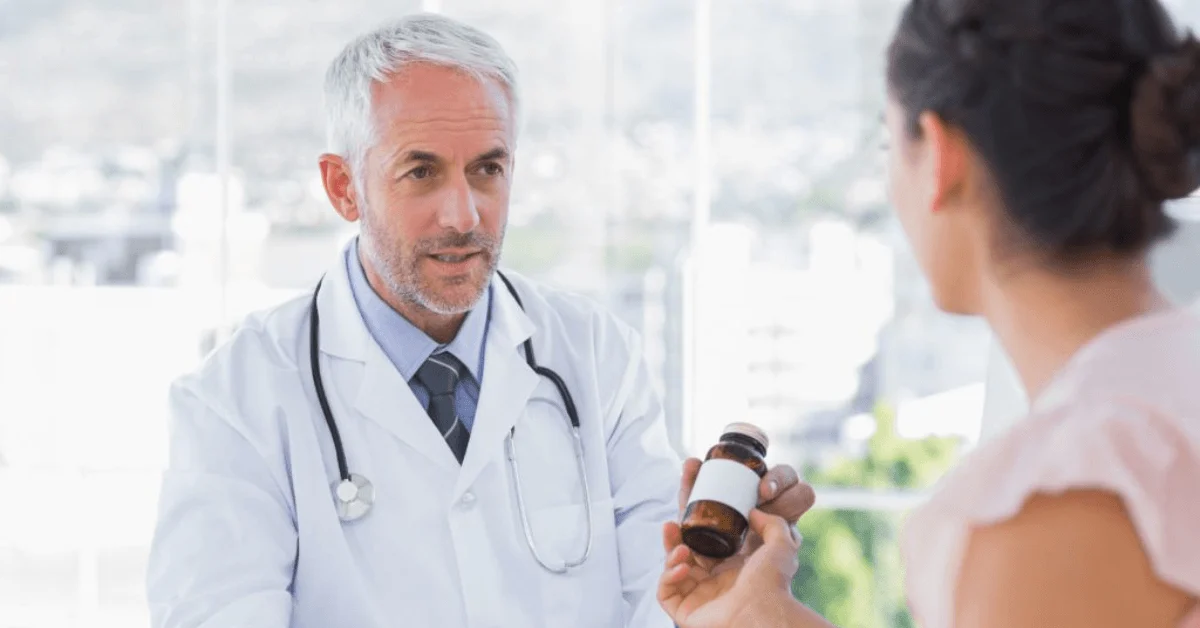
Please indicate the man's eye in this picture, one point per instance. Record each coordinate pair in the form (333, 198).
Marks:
(420, 172)
(492, 169)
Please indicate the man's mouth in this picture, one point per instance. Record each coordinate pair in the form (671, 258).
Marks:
(454, 258)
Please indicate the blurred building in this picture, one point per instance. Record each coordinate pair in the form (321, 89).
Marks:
(786, 345)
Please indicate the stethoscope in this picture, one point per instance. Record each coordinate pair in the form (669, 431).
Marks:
(354, 494)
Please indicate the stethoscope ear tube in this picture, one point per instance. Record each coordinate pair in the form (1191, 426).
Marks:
(314, 357)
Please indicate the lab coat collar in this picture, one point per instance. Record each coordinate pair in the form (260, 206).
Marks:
(508, 383)
(509, 320)
(343, 333)
(384, 397)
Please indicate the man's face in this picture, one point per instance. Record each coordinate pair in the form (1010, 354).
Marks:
(436, 186)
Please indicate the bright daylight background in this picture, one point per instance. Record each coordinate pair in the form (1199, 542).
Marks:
(709, 169)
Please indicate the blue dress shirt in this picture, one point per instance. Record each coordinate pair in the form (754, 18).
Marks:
(407, 347)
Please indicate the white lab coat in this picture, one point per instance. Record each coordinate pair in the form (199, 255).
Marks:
(248, 534)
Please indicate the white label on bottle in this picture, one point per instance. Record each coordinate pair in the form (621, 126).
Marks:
(728, 482)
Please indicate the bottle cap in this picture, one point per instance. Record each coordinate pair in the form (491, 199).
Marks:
(749, 430)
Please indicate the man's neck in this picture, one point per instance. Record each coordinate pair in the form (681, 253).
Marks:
(442, 328)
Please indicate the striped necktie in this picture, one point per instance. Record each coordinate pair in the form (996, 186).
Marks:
(439, 375)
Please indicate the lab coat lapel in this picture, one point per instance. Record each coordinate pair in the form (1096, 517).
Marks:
(385, 398)
(361, 372)
(508, 382)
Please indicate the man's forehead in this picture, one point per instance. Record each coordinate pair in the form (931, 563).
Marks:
(446, 137)
(422, 92)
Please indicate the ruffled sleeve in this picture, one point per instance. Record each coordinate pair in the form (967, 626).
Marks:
(1146, 456)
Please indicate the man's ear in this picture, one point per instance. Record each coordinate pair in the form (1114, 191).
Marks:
(339, 186)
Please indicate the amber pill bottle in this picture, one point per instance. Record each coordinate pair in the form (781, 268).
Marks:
(718, 510)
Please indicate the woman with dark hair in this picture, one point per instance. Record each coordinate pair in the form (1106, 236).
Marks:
(1034, 145)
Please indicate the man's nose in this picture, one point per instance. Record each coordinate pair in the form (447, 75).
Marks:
(459, 211)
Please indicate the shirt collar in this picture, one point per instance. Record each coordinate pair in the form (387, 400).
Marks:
(406, 346)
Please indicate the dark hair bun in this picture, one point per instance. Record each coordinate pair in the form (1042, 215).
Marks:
(1165, 123)
(1086, 112)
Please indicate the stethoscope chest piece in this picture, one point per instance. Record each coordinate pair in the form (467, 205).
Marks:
(354, 497)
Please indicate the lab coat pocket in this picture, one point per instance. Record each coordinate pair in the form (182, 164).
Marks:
(588, 595)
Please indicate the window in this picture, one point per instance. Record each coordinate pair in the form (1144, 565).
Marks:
(708, 169)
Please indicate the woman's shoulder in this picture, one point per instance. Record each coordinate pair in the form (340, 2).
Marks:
(1148, 460)
(1125, 408)
(1123, 418)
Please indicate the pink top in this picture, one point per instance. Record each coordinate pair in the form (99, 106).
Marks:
(1124, 416)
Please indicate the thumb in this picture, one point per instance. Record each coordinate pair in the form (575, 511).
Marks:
(776, 562)
(775, 532)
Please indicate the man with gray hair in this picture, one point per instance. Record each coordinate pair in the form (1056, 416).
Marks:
(423, 440)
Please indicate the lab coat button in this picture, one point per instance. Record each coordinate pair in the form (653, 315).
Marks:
(467, 500)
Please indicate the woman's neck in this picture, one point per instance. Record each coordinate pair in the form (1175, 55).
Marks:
(1043, 318)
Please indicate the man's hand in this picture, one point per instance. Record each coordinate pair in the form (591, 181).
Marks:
(780, 493)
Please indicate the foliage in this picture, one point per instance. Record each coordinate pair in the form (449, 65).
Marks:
(850, 565)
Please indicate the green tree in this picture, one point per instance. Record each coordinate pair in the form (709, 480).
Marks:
(850, 567)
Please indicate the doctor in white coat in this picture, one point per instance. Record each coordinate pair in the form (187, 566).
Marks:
(255, 530)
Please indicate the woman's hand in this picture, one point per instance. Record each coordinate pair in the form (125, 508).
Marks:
(747, 590)
(753, 587)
